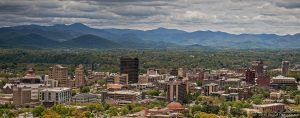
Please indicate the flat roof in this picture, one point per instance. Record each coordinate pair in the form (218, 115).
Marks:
(56, 89)
(268, 105)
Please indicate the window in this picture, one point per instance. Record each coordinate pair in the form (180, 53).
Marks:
(49, 96)
(56, 97)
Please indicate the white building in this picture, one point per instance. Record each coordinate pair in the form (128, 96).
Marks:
(59, 95)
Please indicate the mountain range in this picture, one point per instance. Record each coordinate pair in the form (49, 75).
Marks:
(81, 36)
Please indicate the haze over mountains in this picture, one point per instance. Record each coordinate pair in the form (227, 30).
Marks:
(81, 36)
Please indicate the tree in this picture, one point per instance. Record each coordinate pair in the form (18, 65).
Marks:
(199, 83)
(38, 111)
(87, 114)
(285, 101)
(257, 99)
(51, 114)
(154, 92)
(112, 111)
(137, 109)
(84, 89)
(297, 99)
(124, 110)
(101, 82)
(63, 110)
(196, 108)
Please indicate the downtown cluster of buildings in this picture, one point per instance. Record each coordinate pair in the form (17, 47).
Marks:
(54, 88)
(128, 86)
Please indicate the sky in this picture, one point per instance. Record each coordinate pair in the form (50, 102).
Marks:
(232, 16)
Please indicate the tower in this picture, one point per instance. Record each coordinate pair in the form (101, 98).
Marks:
(130, 66)
(285, 68)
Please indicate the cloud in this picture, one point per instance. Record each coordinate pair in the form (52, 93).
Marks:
(234, 16)
(289, 4)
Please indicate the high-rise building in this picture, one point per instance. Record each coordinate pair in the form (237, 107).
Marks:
(79, 76)
(59, 73)
(250, 76)
(130, 66)
(177, 90)
(285, 68)
(258, 66)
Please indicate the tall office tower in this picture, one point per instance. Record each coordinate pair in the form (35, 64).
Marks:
(285, 68)
(258, 66)
(177, 90)
(60, 74)
(79, 76)
(130, 66)
(250, 76)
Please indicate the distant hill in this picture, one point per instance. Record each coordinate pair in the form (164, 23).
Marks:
(28, 41)
(90, 41)
(81, 36)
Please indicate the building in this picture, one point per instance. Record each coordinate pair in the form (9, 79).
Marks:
(143, 79)
(51, 82)
(177, 90)
(117, 79)
(198, 74)
(31, 78)
(6, 98)
(275, 107)
(59, 73)
(21, 96)
(34, 89)
(32, 82)
(262, 80)
(276, 95)
(243, 93)
(285, 68)
(7, 88)
(250, 76)
(172, 110)
(230, 82)
(181, 72)
(79, 76)
(258, 66)
(280, 82)
(209, 88)
(121, 97)
(84, 97)
(130, 66)
(174, 72)
(57, 95)
(152, 71)
(114, 87)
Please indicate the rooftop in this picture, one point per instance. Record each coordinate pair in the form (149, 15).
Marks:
(175, 106)
(125, 92)
(283, 77)
(269, 105)
(84, 96)
(56, 89)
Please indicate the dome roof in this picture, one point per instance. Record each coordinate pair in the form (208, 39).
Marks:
(175, 106)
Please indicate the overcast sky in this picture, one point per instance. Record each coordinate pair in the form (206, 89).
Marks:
(233, 16)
